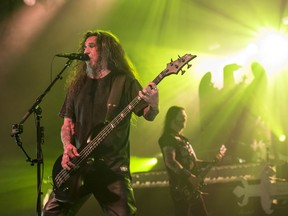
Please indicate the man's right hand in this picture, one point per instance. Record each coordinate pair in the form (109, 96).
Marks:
(70, 151)
(194, 181)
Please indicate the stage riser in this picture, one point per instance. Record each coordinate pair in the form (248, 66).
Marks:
(220, 201)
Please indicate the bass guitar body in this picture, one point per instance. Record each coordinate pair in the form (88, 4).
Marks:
(69, 184)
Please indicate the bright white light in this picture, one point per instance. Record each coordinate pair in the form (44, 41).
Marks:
(153, 161)
(270, 48)
(282, 138)
(273, 43)
(252, 49)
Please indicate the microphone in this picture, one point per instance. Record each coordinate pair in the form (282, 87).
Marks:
(72, 56)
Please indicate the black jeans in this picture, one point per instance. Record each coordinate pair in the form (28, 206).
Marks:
(188, 207)
(115, 199)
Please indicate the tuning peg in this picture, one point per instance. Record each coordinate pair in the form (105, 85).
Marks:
(180, 58)
(182, 71)
(189, 65)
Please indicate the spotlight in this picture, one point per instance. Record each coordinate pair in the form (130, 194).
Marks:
(282, 138)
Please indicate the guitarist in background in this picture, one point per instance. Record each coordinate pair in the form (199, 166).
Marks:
(85, 106)
(182, 165)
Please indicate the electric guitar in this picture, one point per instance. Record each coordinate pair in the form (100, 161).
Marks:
(68, 184)
(188, 190)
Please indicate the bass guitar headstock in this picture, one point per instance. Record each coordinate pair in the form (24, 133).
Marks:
(174, 67)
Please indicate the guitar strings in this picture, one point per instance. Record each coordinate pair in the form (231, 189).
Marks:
(64, 174)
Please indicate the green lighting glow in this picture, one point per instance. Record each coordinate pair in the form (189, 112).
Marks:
(142, 164)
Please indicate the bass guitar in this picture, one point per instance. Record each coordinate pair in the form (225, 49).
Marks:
(68, 184)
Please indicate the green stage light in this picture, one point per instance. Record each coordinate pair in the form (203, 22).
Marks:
(282, 138)
(140, 164)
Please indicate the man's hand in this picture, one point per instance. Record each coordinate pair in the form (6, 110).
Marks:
(70, 151)
(150, 95)
(194, 181)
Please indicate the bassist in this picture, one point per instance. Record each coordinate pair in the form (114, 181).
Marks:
(106, 173)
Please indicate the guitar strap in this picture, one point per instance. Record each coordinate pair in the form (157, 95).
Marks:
(115, 95)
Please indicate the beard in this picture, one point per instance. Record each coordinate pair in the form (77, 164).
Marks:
(94, 69)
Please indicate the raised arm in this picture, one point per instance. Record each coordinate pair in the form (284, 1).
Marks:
(150, 94)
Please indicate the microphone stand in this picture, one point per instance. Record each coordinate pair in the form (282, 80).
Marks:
(17, 129)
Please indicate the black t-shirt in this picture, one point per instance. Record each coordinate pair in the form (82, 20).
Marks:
(88, 110)
(185, 154)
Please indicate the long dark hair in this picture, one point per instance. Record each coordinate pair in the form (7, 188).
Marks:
(170, 116)
(110, 50)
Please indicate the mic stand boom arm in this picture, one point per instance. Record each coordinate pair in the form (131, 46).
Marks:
(17, 129)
